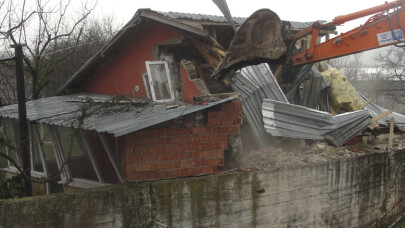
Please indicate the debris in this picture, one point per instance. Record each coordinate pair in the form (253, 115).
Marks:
(342, 94)
(288, 120)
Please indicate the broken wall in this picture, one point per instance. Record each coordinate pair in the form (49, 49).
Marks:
(191, 145)
(344, 193)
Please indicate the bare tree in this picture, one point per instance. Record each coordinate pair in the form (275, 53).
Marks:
(392, 63)
(350, 66)
(41, 25)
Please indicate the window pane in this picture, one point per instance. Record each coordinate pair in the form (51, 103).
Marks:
(11, 130)
(160, 81)
(78, 161)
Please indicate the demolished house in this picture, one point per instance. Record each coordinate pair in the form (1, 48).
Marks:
(147, 107)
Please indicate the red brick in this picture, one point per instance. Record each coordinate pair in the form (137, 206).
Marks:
(207, 170)
(141, 150)
(146, 132)
(194, 171)
(211, 130)
(170, 131)
(238, 104)
(221, 115)
(180, 173)
(189, 138)
(137, 141)
(233, 129)
(214, 122)
(179, 139)
(171, 148)
(135, 177)
(216, 145)
(157, 166)
(150, 175)
(211, 115)
(200, 162)
(187, 164)
(172, 165)
(219, 138)
(205, 138)
(168, 140)
(227, 122)
(149, 158)
(198, 130)
(196, 139)
(206, 154)
(219, 154)
(233, 114)
(165, 175)
(129, 151)
(184, 131)
(223, 130)
(192, 155)
(134, 159)
(189, 123)
(129, 169)
(142, 167)
(189, 147)
(200, 146)
(237, 121)
(214, 162)
(229, 106)
(165, 157)
(157, 149)
(147, 141)
(157, 132)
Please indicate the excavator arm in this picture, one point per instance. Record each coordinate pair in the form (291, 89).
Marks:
(382, 29)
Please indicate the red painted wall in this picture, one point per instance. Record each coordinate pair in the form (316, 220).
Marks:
(124, 71)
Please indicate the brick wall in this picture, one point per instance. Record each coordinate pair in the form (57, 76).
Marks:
(190, 147)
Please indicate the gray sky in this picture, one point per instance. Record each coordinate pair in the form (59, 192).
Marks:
(291, 10)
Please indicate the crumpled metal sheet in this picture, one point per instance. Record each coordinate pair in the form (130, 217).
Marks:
(254, 83)
(308, 88)
(376, 110)
(289, 120)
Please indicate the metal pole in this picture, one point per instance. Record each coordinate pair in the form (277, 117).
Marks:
(22, 116)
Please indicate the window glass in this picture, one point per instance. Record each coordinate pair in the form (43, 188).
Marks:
(159, 81)
(73, 151)
(147, 85)
(11, 128)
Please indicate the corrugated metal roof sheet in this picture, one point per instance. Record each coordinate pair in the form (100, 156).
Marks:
(288, 120)
(120, 119)
(221, 19)
(254, 83)
(376, 110)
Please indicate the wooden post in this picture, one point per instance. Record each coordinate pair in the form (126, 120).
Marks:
(391, 138)
(22, 116)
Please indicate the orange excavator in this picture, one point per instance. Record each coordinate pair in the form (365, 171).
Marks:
(263, 38)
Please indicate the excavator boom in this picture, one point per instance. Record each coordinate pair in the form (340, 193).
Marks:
(382, 29)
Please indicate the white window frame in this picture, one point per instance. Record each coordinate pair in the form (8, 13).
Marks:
(144, 77)
(148, 63)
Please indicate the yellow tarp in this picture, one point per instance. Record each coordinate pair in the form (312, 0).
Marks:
(342, 94)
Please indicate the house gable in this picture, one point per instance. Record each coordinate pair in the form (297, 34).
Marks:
(122, 73)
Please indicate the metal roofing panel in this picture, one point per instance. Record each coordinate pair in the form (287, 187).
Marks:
(254, 83)
(289, 120)
(376, 110)
(120, 119)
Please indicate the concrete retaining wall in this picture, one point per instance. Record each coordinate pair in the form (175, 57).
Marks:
(346, 193)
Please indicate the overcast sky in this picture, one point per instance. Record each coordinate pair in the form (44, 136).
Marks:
(290, 10)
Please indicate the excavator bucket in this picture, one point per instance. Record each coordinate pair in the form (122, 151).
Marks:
(258, 40)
